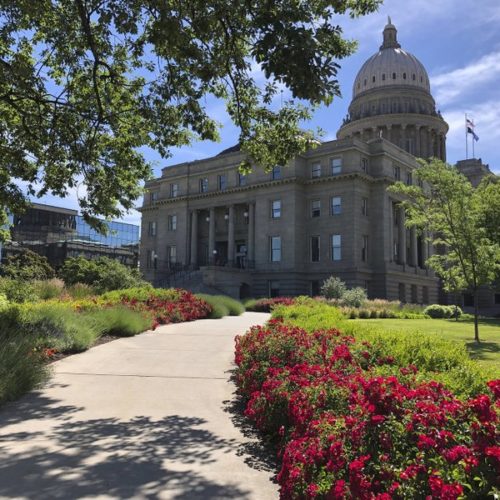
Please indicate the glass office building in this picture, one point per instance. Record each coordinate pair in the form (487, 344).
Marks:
(59, 233)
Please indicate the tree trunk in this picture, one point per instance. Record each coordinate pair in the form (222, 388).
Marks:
(476, 316)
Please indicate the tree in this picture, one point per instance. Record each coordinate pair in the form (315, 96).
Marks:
(449, 208)
(27, 265)
(84, 84)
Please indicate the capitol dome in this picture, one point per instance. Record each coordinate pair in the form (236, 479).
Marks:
(391, 65)
(392, 99)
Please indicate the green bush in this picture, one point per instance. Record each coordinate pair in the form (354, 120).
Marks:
(27, 266)
(333, 288)
(119, 321)
(222, 305)
(21, 367)
(355, 297)
(48, 289)
(104, 274)
(364, 314)
(4, 303)
(17, 291)
(139, 294)
(437, 311)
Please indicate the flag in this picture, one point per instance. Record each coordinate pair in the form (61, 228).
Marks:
(470, 129)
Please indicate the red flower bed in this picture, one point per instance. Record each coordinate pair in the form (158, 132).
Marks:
(184, 307)
(345, 432)
(267, 305)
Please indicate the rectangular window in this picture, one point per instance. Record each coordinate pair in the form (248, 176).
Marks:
(497, 298)
(336, 247)
(153, 196)
(402, 292)
(364, 206)
(174, 190)
(315, 208)
(364, 164)
(397, 173)
(314, 248)
(414, 294)
(409, 179)
(222, 181)
(276, 173)
(276, 209)
(336, 164)
(336, 205)
(274, 288)
(152, 229)
(242, 179)
(425, 294)
(316, 169)
(275, 246)
(172, 222)
(315, 288)
(151, 259)
(172, 255)
(203, 185)
(364, 249)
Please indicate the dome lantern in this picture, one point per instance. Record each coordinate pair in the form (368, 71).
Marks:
(390, 36)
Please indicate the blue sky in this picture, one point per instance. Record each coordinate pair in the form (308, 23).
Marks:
(458, 41)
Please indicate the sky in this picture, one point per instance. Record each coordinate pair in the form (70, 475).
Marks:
(458, 42)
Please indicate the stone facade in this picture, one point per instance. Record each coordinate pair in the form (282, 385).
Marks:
(327, 212)
(284, 232)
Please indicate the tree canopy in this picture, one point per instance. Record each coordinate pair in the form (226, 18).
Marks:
(84, 84)
(463, 224)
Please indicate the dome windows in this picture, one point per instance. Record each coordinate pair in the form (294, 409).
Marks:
(414, 77)
(365, 82)
(394, 76)
(383, 76)
(373, 79)
(404, 76)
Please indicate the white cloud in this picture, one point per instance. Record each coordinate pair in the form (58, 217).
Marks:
(452, 85)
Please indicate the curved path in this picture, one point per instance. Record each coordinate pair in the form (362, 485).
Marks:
(145, 417)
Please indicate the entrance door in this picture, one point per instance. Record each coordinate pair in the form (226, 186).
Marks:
(221, 255)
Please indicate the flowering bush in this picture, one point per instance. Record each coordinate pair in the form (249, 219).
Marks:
(267, 305)
(169, 306)
(345, 431)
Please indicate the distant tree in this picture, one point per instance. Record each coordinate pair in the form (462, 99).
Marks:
(333, 288)
(26, 265)
(102, 274)
(85, 84)
(462, 223)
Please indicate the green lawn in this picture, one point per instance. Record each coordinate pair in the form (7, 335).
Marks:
(487, 352)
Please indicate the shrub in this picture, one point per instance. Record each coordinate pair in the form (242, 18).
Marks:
(119, 321)
(364, 313)
(355, 297)
(4, 303)
(437, 311)
(267, 305)
(17, 291)
(80, 291)
(333, 288)
(346, 431)
(222, 305)
(27, 266)
(21, 367)
(374, 313)
(48, 289)
(104, 274)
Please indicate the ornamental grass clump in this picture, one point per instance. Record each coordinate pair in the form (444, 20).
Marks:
(222, 305)
(343, 430)
(268, 305)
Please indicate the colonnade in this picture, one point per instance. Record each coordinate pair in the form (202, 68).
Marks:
(229, 217)
(411, 259)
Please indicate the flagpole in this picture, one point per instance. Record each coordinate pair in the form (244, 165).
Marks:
(466, 140)
(473, 145)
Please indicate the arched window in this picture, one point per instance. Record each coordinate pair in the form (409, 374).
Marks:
(414, 77)
(394, 76)
(404, 76)
(383, 76)
(359, 85)
(365, 82)
(421, 79)
(373, 79)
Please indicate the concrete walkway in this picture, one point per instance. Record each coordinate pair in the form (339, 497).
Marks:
(145, 417)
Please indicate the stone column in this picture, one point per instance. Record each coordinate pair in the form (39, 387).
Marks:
(194, 238)
(438, 146)
(402, 236)
(251, 235)
(414, 246)
(443, 146)
(389, 129)
(428, 140)
(418, 151)
(430, 246)
(230, 237)
(211, 237)
(425, 246)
